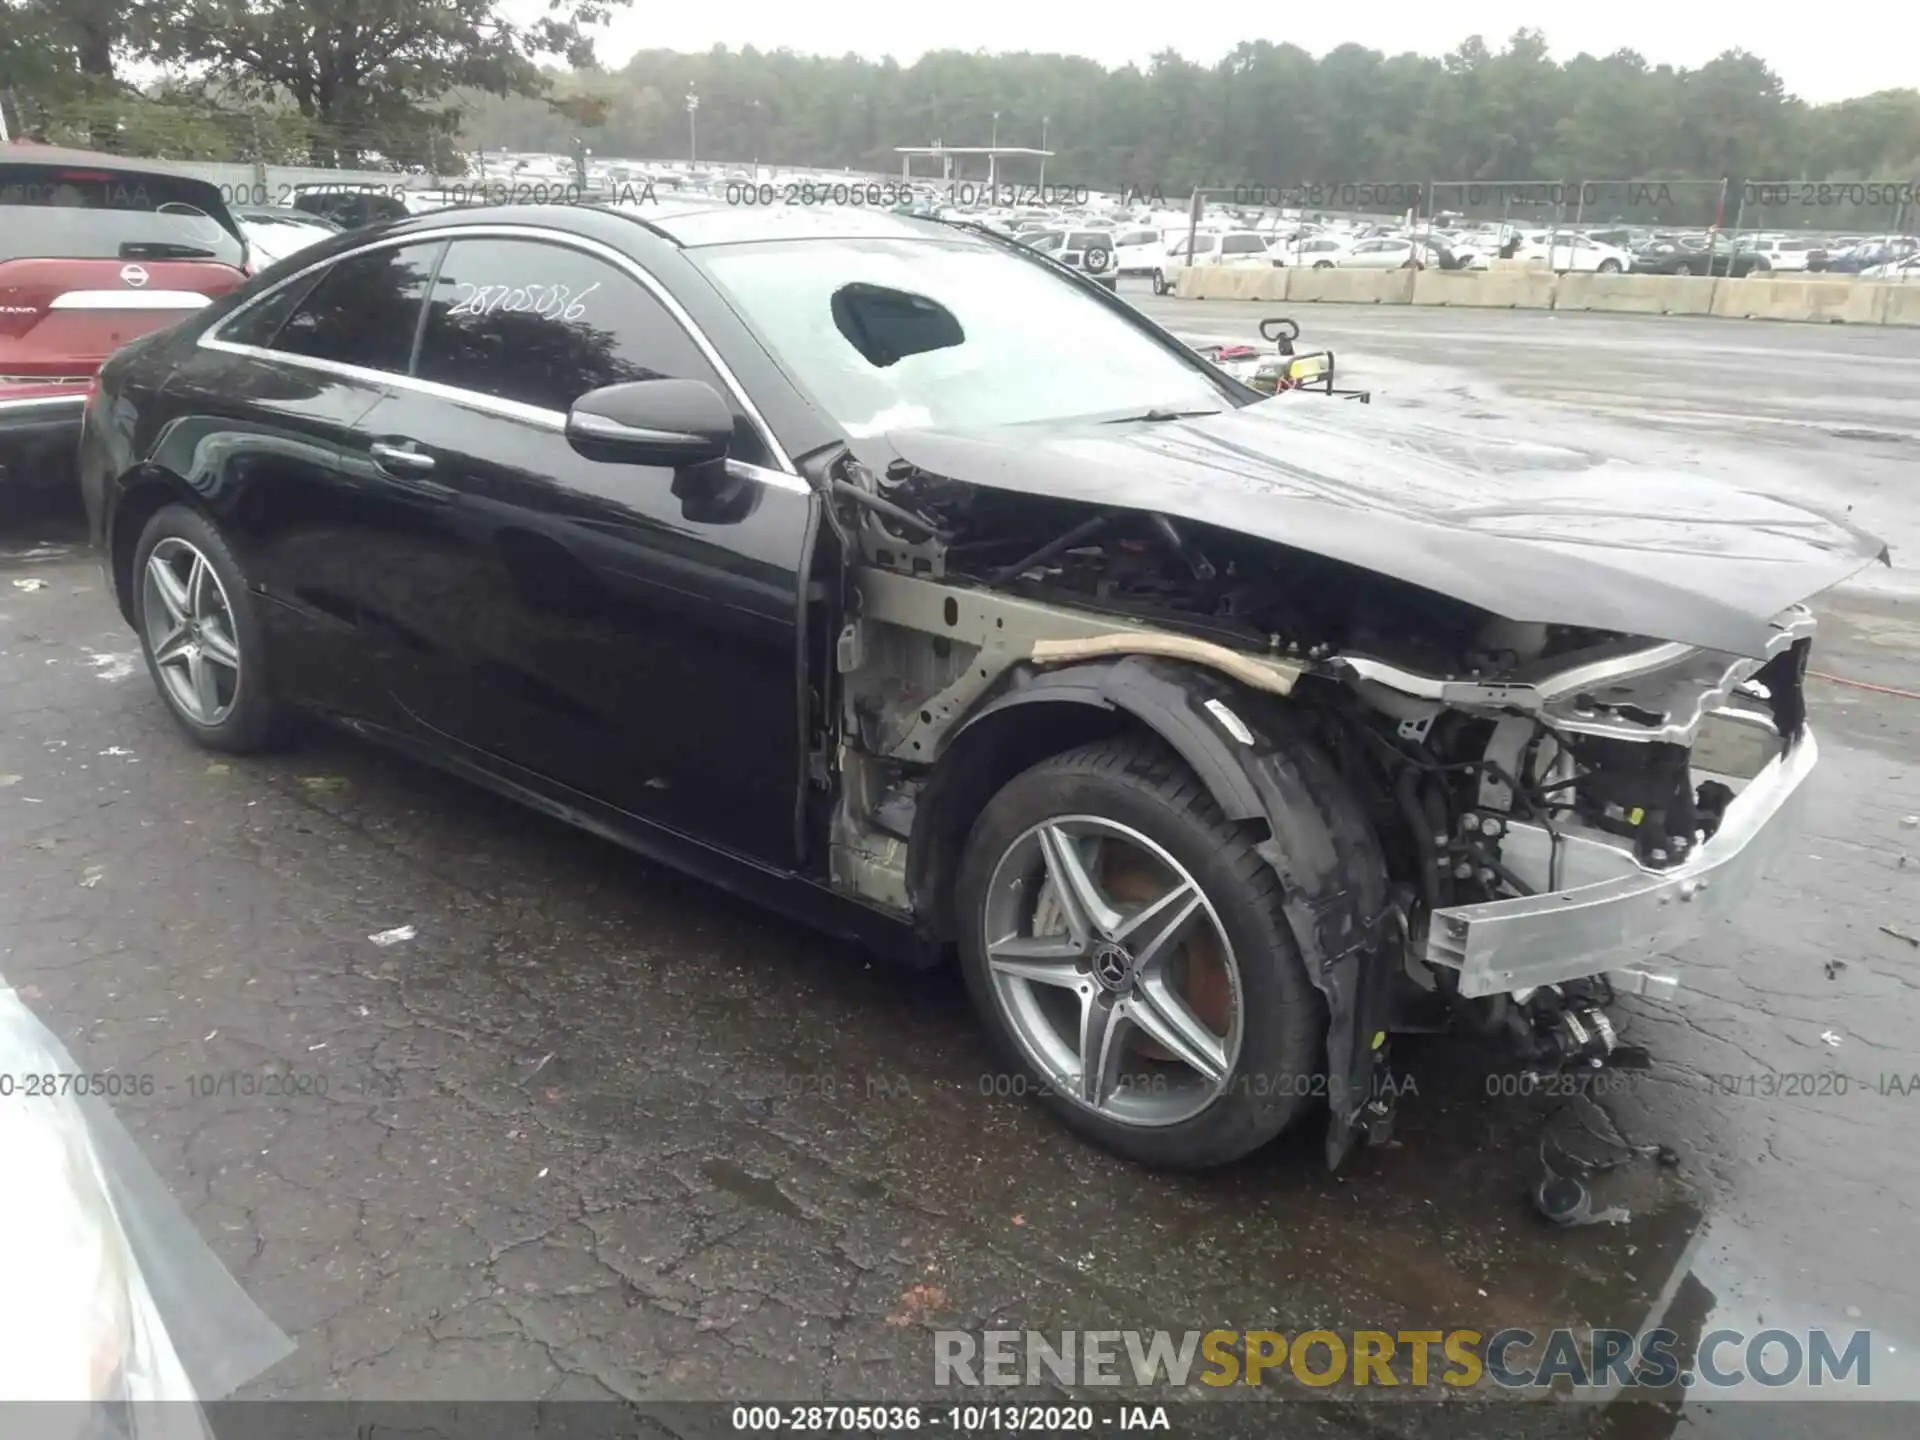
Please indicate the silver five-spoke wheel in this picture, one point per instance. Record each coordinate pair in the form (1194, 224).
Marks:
(190, 631)
(1113, 971)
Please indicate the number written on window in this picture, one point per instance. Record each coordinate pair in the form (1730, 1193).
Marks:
(549, 302)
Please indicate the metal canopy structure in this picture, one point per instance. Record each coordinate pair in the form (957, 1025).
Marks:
(945, 152)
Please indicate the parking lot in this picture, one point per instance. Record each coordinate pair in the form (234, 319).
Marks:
(596, 1131)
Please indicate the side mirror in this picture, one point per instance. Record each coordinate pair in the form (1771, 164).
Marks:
(675, 423)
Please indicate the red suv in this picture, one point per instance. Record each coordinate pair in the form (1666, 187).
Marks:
(95, 251)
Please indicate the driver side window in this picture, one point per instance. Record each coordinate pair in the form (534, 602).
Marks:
(542, 324)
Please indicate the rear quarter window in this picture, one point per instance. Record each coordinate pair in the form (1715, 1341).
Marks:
(57, 212)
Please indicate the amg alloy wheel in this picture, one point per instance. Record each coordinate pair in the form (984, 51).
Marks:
(1126, 947)
(1119, 958)
(188, 626)
(203, 641)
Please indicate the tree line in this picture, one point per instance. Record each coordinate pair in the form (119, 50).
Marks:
(327, 80)
(1264, 115)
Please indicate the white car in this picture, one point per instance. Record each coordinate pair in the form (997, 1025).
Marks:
(1135, 251)
(1788, 252)
(1568, 250)
(1383, 252)
(1089, 251)
(1316, 252)
(1234, 249)
(273, 233)
(1907, 270)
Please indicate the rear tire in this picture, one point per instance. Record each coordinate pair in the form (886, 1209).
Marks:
(1160, 286)
(202, 636)
(1132, 811)
(1323, 265)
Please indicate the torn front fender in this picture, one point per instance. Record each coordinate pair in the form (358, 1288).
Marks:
(1261, 764)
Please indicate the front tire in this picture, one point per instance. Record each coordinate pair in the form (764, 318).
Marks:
(1107, 909)
(201, 633)
(1160, 286)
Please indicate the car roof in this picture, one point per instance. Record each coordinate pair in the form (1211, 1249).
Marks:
(681, 225)
(693, 225)
(293, 215)
(27, 152)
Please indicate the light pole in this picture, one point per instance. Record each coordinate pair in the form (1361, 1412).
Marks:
(757, 107)
(693, 129)
(1043, 154)
(992, 158)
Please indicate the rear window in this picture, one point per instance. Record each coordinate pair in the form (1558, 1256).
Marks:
(60, 212)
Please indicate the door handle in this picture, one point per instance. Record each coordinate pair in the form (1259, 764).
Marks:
(398, 460)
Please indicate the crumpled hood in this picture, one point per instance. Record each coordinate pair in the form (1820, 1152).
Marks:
(1530, 532)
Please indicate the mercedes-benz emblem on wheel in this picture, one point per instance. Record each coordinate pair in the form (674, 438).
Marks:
(134, 275)
(1112, 967)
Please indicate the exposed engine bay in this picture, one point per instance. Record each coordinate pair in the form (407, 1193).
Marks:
(1499, 762)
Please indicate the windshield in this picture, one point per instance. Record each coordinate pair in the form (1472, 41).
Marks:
(1032, 344)
(60, 212)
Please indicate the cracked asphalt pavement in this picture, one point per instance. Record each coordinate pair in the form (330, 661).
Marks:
(596, 1131)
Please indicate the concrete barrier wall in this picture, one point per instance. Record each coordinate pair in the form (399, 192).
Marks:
(1252, 284)
(1636, 294)
(1902, 305)
(1800, 298)
(1501, 289)
(1351, 287)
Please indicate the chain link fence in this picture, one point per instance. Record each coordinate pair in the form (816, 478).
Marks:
(1886, 206)
(1889, 205)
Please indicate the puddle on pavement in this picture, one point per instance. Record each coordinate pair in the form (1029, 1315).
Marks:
(756, 1190)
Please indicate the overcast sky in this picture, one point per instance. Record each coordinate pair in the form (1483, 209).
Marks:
(1851, 49)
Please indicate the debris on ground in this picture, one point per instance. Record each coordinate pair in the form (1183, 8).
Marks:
(219, 767)
(1833, 968)
(1566, 1200)
(32, 583)
(393, 936)
(109, 666)
(918, 1302)
(6, 780)
(116, 750)
(1899, 934)
(93, 875)
(323, 784)
(1831, 1038)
